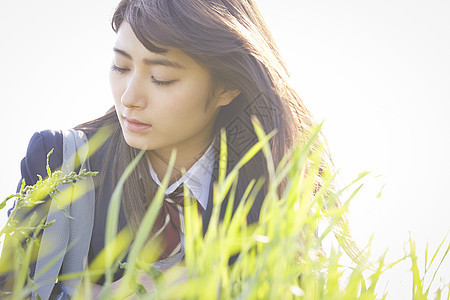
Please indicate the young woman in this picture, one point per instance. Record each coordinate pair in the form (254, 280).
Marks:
(182, 71)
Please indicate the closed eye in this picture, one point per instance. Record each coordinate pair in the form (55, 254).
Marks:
(162, 83)
(119, 70)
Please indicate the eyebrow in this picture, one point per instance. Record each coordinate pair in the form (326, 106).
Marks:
(148, 61)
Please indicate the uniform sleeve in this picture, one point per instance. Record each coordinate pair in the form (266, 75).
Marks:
(35, 161)
(32, 165)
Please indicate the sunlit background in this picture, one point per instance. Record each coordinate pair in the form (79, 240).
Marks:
(377, 72)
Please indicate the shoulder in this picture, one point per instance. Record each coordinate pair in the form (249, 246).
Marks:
(45, 141)
(35, 161)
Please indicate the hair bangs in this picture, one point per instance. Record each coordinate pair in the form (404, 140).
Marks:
(191, 26)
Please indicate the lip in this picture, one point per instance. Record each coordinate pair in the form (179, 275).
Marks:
(135, 125)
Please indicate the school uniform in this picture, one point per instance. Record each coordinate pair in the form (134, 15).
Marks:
(198, 178)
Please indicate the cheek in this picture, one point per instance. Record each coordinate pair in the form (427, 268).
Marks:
(192, 99)
(184, 112)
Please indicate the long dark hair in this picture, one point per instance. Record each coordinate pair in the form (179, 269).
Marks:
(231, 40)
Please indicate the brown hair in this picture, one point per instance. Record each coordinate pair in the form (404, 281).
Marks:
(231, 40)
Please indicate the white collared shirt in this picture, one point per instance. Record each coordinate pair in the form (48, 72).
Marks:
(198, 180)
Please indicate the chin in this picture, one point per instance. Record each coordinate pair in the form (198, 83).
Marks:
(136, 143)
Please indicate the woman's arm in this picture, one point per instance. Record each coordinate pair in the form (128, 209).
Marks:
(32, 165)
(35, 161)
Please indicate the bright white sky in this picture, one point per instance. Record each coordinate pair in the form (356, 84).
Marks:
(377, 72)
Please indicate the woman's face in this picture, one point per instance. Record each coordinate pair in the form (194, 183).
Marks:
(163, 101)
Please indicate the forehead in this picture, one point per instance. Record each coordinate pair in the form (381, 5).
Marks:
(127, 41)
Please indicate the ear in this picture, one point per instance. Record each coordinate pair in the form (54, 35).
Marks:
(225, 96)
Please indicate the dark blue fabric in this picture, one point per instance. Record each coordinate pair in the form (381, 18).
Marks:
(35, 161)
(60, 292)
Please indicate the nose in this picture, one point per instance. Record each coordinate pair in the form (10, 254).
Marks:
(135, 94)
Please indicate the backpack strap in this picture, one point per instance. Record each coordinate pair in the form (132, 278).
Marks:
(65, 244)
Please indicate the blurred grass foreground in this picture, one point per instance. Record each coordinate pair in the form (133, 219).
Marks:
(280, 257)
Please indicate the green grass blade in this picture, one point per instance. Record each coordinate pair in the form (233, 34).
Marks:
(113, 216)
(144, 230)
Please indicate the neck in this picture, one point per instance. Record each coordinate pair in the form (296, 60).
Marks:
(185, 159)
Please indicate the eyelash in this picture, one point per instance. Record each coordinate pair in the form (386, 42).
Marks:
(117, 69)
(154, 80)
(162, 83)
